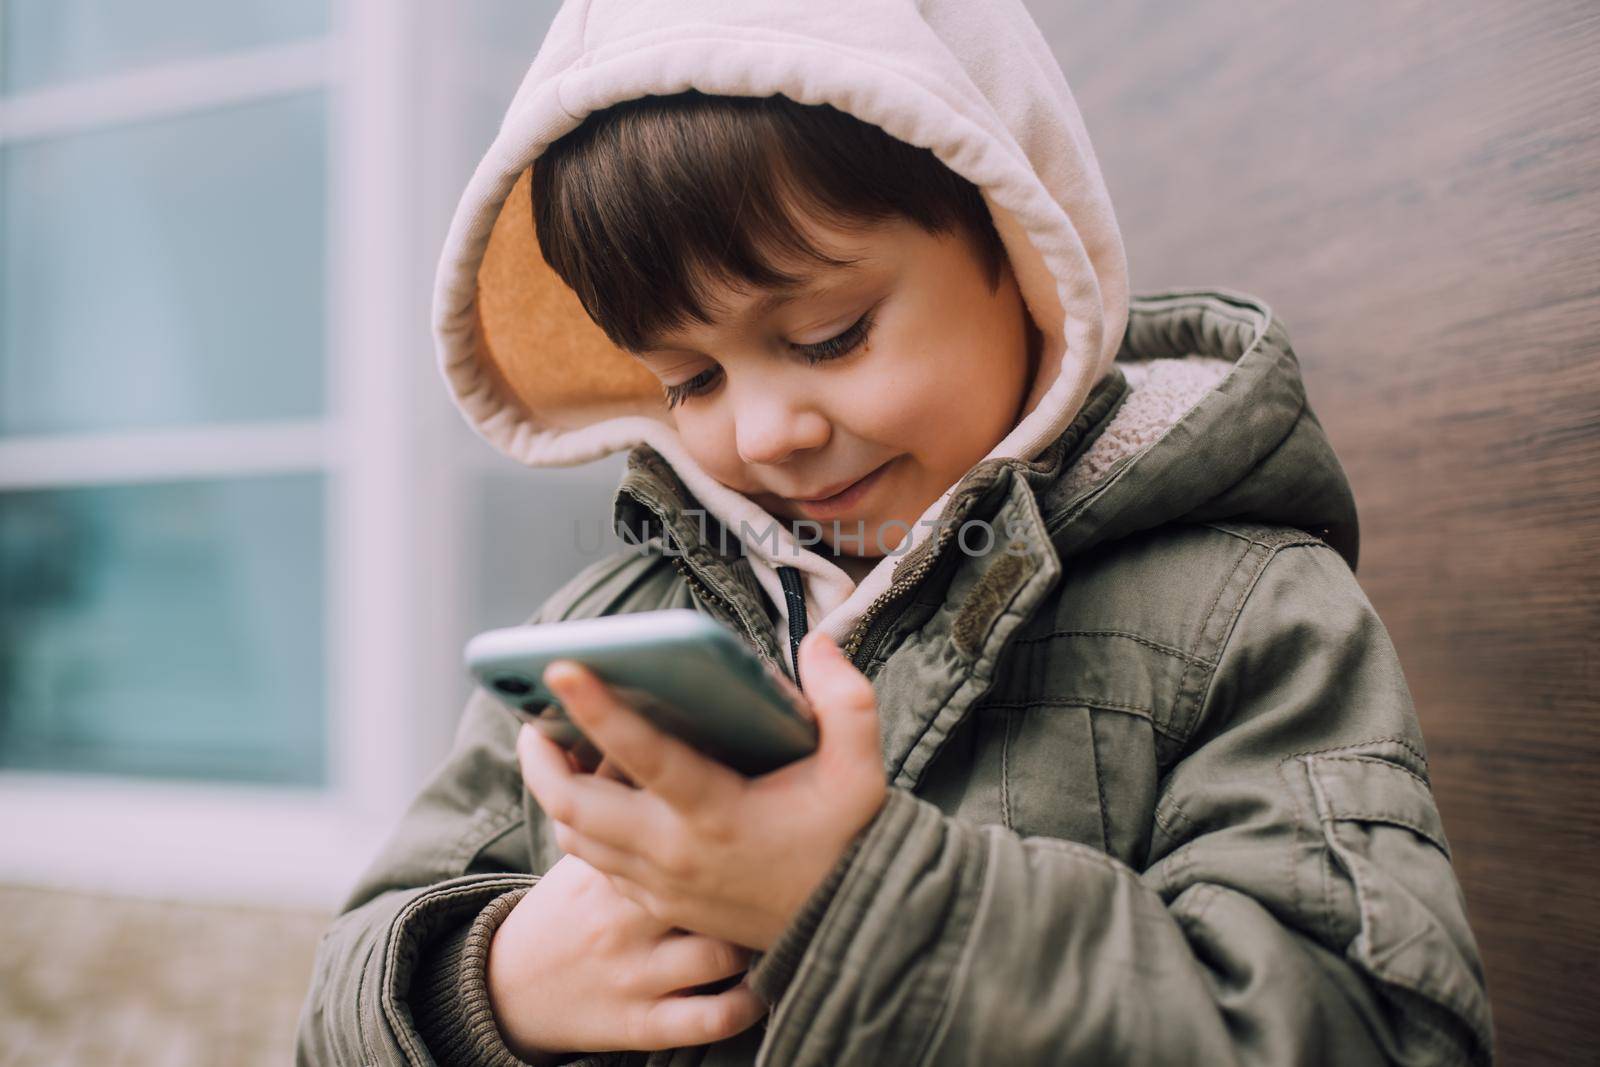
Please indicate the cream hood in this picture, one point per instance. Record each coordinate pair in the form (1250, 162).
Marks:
(974, 82)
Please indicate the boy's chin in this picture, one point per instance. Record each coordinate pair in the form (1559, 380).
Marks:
(850, 550)
(865, 539)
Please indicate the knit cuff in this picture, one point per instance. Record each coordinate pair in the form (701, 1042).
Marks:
(770, 974)
(450, 998)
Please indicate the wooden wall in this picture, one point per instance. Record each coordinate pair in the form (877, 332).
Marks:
(1415, 189)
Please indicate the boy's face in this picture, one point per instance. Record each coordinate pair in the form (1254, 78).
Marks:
(921, 370)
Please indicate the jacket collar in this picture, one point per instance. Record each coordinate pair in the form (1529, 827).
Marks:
(996, 504)
(990, 564)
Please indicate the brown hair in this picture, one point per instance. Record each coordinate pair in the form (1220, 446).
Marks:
(648, 201)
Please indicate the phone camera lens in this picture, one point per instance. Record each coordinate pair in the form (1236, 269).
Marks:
(511, 685)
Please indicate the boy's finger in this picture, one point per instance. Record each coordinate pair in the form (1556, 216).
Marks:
(653, 760)
(844, 700)
(599, 808)
(674, 1021)
(682, 961)
(596, 853)
(541, 758)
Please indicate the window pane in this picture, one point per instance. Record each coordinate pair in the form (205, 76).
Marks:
(490, 64)
(536, 530)
(172, 630)
(165, 272)
(50, 41)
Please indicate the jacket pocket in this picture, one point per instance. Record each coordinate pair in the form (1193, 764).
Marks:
(1391, 891)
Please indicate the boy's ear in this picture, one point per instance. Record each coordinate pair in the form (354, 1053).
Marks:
(535, 341)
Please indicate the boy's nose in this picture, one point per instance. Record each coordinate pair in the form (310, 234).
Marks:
(771, 429)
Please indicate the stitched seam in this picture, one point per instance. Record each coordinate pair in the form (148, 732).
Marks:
(1204, 895)
(1304, 538)
(1160, 304)
(1199, 698)
(1374, 760)
(1401, 741)
(1222, 586)
(1092, 703)
(1176, 866)
(1183, 816)
(1364, 815)
(489, 828)
(1334, 848)
(1176, 653)
(1353, 814)
(1184, 872)
(1325, 860)
(1170, 830)
(1299, 842)
(943, 703)
(515, 824)
(1071, 702)
(1100, 787)
(1141, 710)
(361, 985)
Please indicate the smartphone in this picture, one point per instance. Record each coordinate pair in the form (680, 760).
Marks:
(688, 674)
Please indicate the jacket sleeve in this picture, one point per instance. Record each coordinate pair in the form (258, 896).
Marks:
(399, 977)
(1298, 907)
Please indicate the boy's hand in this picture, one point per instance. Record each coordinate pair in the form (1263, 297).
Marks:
(577, 967)
(699, 845)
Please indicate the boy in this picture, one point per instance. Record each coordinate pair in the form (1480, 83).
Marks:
(1116, 762)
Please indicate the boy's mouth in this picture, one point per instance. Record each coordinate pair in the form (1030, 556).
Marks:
(838, 501)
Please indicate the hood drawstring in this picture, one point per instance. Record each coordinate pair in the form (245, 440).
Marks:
(794, 596)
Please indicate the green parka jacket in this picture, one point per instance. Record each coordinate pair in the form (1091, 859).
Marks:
(1158, 792)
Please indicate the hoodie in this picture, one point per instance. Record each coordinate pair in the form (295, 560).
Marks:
(976, 84)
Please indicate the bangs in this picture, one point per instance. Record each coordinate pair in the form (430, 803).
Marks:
(649, 205)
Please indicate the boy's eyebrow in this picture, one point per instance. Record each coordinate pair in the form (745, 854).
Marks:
(779, 295)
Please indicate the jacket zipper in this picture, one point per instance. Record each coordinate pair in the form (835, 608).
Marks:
(869, 631)
(702, 590)
(794, 596)
(706, 593)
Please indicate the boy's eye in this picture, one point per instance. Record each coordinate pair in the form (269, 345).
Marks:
(843, 344)
(700, 383)
(833, 348)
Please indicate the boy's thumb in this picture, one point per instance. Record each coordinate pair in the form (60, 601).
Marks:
(842, 697)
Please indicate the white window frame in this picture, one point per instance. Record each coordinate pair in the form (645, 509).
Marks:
(392, 498)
